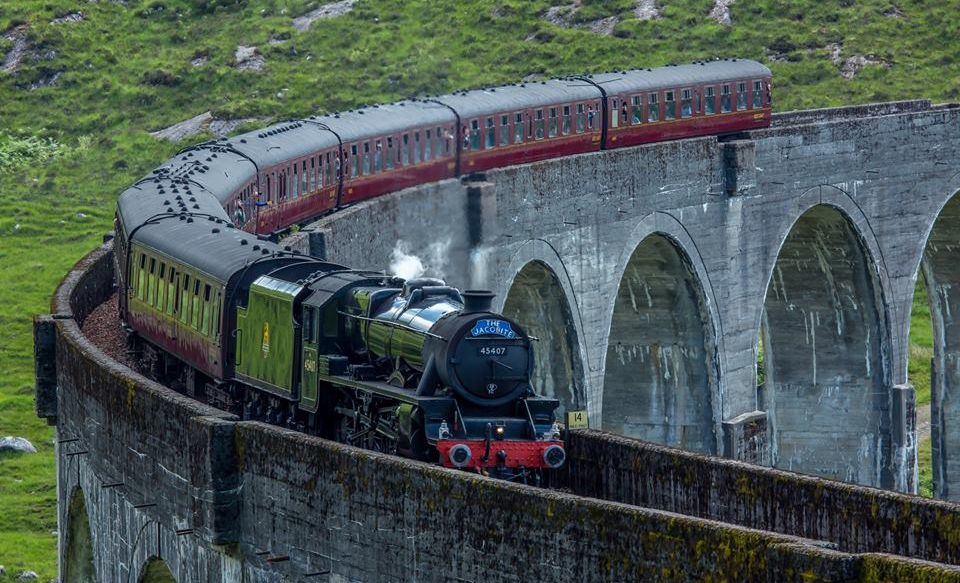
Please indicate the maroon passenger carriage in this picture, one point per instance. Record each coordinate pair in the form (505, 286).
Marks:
(312, 166)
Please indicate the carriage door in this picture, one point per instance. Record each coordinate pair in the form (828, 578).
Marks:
(308, 373)
(614, 112)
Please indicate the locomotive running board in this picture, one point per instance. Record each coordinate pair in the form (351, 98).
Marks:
(376, 387)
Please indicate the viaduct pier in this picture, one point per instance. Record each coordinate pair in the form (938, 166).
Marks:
(648, 274)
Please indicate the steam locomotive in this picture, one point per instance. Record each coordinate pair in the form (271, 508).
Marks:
(416, 368)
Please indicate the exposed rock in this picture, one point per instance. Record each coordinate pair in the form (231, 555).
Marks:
(3, 571)
(557, 15)
(13, 58)
(603, 26)
(248, 58)
(331, 10)
(27, 576)
(850, 66)
(193, 126)
(721, 12)
(184, 129)
(646, 10)
(894, 12)
(200, 61)
(224, 127)
(67, 18)
(18, 444)
(46, 80)
(563, 15)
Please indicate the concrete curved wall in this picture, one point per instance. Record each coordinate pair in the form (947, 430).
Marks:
(888, 169)
(216, 499)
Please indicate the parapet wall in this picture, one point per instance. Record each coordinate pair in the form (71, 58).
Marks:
(855, 518)
(163, 477)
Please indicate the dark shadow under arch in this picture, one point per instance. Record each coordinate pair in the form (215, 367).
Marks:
(940, 269)
(78, 560)
(660, 373)
(157, 571)
(826, 354)
(537, 302)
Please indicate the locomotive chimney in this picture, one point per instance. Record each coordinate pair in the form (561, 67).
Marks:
(477, 300)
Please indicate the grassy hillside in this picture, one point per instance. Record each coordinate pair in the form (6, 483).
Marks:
(76, 112)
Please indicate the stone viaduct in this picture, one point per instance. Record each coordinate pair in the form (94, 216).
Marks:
(651, 276)
(654, 275)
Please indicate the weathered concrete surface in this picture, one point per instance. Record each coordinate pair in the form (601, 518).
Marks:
(152, 484)
(156, 487)
(854, 518)
(815, 228)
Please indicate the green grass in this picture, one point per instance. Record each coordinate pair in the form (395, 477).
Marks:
(126, 70)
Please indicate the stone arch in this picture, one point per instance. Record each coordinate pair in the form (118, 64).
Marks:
(78, 564)
(660, 370)
(826, 338)
(156, 571)
(536, 300)
(940, 270)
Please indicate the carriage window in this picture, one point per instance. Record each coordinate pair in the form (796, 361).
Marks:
(152, 283)
(416, 147)
(161, 286)
(491, 138)
(184, 307)
(538, 126)
(614, 113)
(428, 146)
(442, 143)
(295, 182)
(405, 150)
(304, 177)
(475, 134)
(389, 159)
(329, 168)
(725, 99)
(636, 109)
(552, 129)
(195, 306)
(171, 289)
(518, 128)
(313, 175)
(504, 130)
(141, 276)
(670, 106)
(653, 111)
(581, 119)
(565, 129)
(686, 103)
(353, 160)
(378, 156)
(366, 159)
(590, 115)
(710, 107)
(757, 99)
(207, 309)
(741, 96)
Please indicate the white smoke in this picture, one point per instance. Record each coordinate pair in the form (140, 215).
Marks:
(478, 267)
(433, 263)
(404, 264)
